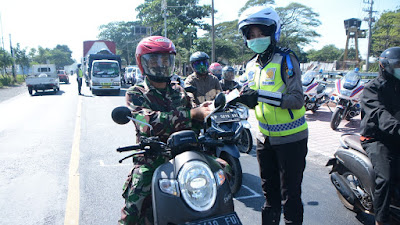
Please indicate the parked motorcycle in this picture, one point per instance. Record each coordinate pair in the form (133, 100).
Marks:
(225, 125)
(245, 141)
(353, 176)
(315, 91)
(192, 181)
(347, 97)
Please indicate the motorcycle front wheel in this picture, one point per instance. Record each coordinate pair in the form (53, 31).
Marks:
(336, 118)
(245, 143)
(235, 176)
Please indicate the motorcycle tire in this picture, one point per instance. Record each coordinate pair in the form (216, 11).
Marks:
(336, 118)
(235, 178)
(245, 143)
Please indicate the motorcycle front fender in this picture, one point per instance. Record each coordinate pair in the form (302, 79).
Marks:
(230, 149)
(245, 124)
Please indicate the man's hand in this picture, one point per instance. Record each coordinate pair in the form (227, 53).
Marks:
(199, 113)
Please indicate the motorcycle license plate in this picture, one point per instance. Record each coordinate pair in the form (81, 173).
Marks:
(223, 117)
(228, 219)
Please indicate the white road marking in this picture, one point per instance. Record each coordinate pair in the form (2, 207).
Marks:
(254, 194)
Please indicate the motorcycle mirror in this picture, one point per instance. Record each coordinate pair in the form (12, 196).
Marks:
(120, 115)
(220, 101)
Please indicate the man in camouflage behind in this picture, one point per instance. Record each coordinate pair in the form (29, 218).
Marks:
(167, 108)
(207, 85)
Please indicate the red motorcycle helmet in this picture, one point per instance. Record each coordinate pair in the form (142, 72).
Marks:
(155, 56)
(215, 69)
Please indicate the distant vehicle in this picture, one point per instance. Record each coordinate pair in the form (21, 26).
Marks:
(130, 74)
(43, 77)
(138, 76)
(62, 75)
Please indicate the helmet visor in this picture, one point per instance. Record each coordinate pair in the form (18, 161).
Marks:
(228, 75)
(159, 64)
(200, 66)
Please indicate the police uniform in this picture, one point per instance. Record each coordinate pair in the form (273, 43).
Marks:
(282, 140)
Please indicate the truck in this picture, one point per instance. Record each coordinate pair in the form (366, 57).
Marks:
(43, 77)
(101, 66)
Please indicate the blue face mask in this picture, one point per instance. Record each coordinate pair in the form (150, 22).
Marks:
(397, 73)
(259, 45)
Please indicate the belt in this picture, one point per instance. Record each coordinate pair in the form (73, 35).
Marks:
(362, 138)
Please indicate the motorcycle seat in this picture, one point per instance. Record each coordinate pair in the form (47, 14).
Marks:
(353, 141)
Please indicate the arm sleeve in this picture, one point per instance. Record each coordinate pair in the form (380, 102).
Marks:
(293, 97)
(376, 113)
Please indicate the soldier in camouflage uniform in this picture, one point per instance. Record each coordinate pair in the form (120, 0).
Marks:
(167, 108)
(207, 85)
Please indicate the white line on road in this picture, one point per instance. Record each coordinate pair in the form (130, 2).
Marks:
(72, 208)
(254, 194)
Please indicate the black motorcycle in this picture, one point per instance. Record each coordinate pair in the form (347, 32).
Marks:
(192, 182)
(224, 125)
(353, 176)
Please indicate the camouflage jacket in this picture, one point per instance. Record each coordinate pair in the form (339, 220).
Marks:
(207, 87)
(166, 110)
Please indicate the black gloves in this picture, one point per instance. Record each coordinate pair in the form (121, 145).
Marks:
(248, 97)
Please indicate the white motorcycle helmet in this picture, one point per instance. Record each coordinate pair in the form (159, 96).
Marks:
(260, 15)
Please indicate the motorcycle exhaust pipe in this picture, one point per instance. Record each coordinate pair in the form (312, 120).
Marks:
(341, 185)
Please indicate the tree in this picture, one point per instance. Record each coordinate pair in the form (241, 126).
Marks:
(61, 56)
(21, 57)
(5, 60)
(184, 18)
(298, 24)
(328, 53)
(251, 3)
(386, 32)
(125, 35)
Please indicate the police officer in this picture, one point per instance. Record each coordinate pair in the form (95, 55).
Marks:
(380, 129)
(275, 90)
(79, 75)
(167, 108)
(228, 82)
(207, 85)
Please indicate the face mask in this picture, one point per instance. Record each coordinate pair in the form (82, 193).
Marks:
(397, 73)
(259, 45)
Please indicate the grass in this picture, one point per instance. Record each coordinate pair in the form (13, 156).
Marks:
(8, 80)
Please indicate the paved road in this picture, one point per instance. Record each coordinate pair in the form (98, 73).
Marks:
(38, 165)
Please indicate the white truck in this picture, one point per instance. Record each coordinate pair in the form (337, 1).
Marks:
(43, 77)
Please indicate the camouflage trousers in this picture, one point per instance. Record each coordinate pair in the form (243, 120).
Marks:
(137, 191)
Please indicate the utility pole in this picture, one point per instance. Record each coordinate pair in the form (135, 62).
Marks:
(370, 20)
(164, 8)
(13, 65)
(213, 33)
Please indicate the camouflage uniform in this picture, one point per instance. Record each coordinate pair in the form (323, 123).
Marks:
(207, 86)
(167, 111)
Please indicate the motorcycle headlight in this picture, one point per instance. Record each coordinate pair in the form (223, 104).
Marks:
(169, 186)
(345, 92)
(197, 185)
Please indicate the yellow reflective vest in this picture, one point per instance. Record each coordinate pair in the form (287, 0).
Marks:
(274, 121)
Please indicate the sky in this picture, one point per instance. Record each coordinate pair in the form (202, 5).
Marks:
(47, 23)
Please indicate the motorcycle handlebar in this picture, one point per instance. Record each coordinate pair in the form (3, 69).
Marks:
(128, 148)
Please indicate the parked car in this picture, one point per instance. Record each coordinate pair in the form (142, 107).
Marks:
(63, 76)
(138, 75)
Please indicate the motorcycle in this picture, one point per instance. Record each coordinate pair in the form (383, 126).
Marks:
(347, 97)
(245, 141)
(315, 92)
(353, 176)
(224, 126)
(192, 181)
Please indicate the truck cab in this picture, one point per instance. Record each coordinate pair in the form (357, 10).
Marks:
(105, 76)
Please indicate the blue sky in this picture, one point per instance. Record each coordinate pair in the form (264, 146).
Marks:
(47, 23)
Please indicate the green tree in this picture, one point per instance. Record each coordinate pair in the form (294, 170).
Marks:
(5, 60)
(386, 32)
(61, 55)
(126, 37)
(251, 3)
(21, 57)
(328, 53)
